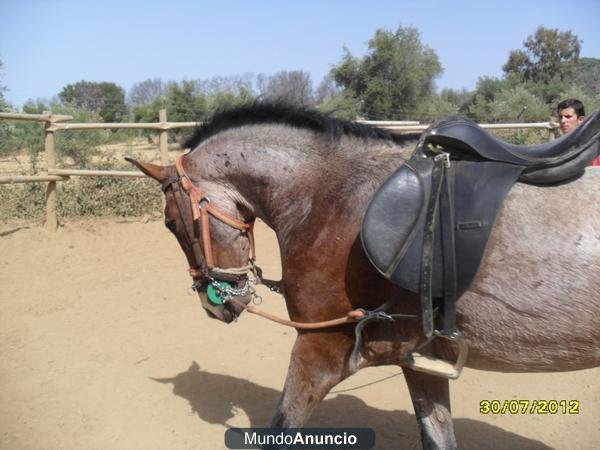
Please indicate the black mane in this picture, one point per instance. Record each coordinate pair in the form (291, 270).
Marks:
(285, 114)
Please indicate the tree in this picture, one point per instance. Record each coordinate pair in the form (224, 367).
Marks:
(146, 91)
(193, 100)
(397, 73)
(185, 103)
(433, 108)
(5, 128)
(549, 52)
(80, 147)
(328, 89)
(149, 111)
(294, 87)
(460, 98)
(486, 92)
(106, 99)
(238, 85)
(227, 91)
(343, 106)
(3, 103)
(519, 103)
(228, 99)
(73, 147)
(587, 76)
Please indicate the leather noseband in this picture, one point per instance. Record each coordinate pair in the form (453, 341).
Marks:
(196, 219)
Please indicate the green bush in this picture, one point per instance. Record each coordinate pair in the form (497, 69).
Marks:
(84, 196)
(433, 108)
(510, 103)
(109, 196)
(523, 137)
(23, 201)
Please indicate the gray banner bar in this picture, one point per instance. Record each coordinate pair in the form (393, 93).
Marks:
(300, 438)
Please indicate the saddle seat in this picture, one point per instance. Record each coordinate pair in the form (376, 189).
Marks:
(540, 162)
(427, 227)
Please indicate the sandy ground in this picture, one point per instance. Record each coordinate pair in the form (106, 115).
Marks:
(102, 348)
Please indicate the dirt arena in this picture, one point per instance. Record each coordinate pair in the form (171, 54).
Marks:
(102, 348)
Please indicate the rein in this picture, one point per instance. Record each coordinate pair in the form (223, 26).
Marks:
(352, 317)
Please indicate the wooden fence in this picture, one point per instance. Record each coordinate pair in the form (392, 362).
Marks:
(54, 122)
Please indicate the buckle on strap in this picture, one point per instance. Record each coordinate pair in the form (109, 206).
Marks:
(445, 157)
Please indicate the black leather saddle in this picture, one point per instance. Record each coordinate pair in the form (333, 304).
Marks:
(427, 226)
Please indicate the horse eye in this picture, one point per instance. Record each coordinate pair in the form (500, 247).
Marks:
(170, 224)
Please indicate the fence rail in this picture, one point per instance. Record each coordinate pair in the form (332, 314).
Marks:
(550, 126)
(162, 126)
(95, 173)
(46, 117)
(56, 122)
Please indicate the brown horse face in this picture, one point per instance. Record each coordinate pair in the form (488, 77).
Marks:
(230, 247)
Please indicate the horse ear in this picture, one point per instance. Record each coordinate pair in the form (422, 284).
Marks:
(159, 173)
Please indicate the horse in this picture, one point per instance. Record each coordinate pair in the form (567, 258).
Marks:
(533, 306)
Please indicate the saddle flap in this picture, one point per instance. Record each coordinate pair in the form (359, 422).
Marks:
(389, 225)
(394, 223)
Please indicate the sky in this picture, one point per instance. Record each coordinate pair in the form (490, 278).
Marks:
(46, 45)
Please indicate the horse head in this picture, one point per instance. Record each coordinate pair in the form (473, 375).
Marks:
(217, 241)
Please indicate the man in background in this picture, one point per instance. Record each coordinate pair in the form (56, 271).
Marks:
(571, 113)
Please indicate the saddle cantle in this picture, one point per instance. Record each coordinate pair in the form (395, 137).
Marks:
(427, 227)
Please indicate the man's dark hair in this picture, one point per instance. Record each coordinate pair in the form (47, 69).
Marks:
(572, 103)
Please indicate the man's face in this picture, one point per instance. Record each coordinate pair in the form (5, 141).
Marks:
(568, 120)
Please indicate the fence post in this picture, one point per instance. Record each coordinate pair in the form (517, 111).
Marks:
(51, 218)
(163, 139)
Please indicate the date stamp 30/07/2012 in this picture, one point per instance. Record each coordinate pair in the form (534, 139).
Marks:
(513, 407)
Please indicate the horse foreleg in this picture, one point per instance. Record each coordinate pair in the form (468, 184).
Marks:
(316, 365)
(431, 400)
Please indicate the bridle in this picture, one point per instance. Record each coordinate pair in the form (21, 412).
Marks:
(195, 209)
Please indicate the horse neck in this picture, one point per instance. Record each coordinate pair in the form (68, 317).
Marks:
(288, 179)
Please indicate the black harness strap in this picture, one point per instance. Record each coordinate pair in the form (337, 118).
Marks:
(441, 203)
(448, 251)
(437, 174)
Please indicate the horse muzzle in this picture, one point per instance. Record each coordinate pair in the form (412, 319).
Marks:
(226, 312)
(225, 294)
